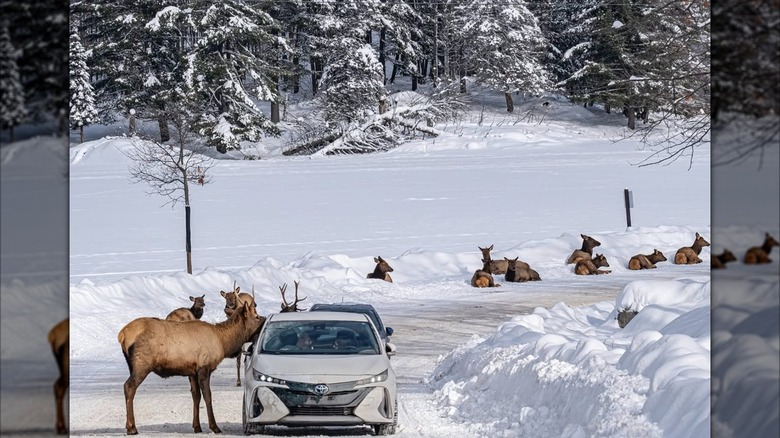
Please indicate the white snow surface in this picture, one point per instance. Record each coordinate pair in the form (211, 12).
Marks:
(525, 359)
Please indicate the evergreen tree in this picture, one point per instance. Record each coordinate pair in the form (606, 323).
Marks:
(82, 97)
(503, 46)
(12, 105)
(354, 84)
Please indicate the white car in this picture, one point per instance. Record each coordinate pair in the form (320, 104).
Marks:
(319, 369)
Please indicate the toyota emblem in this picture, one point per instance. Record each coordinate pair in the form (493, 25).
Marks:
(321, 389)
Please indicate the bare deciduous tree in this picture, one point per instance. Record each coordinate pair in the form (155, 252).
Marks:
(170, 168)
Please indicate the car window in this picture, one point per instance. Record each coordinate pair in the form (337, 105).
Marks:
(318, 337)
(368, 312)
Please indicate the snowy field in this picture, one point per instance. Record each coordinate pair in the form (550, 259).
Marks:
(544, 358)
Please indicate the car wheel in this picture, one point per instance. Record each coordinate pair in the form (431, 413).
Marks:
(249, 428)
(387, 429)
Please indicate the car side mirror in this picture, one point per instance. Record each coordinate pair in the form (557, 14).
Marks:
(389, 331)
(390, 349)
(247, 349)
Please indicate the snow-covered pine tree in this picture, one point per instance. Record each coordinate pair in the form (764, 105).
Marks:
(82, 96)
(503, 46)
(228, 70)
(353, 84)
(12, 107)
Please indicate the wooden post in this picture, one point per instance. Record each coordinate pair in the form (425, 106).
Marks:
(188, 245)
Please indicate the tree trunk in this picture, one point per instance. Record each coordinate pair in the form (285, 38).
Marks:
(81, 134)
(165, 135)
(631, 118)
(414, 82)
(275, 101)
(314, 78)
(11, 134)
(645, 115)
(462, 85)
(382, 106)
(510, 105)
(188, 234)
(395, 68)
(382, 59)
(607, 108)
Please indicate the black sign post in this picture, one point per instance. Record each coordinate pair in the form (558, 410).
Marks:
(629, 203)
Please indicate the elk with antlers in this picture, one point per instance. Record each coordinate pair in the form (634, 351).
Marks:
(287, 307)
(689, 255)
(719, 261)
(234, 300)
(192, 348)
(59, 339)
(189, 313)
(382, 270)
(760, 254)
(584, 253)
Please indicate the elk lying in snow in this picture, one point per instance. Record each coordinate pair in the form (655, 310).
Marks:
(59, 339)
(591, 266)
(584, 253)
(689, 255)
(381, 270)
(719, 261)
(515, 272)
(287, 307)
(760, 255)
(483, 277)
(192, 348)
(189, 313)
(233, 301)
(646, 261)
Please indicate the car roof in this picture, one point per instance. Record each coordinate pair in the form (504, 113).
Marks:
(319, 316)
(362, 306)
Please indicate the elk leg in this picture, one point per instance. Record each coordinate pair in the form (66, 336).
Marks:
(131, 386)
(195, 390)
(59, 393)
(204, 378)
(238, 370)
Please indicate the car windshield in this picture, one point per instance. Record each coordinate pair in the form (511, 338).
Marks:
(318, 337)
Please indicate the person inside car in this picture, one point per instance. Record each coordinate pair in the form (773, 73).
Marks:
(344, 340)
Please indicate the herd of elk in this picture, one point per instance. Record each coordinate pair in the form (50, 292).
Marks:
(59, 339)
(760, 254)
(689, 255)
(189, 313)
(234, 300)
(382, 270)
(189, 348)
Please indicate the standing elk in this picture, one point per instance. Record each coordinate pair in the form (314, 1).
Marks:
(760, 255)
(689, 255)
(483, 277)
(59, 339)
(189, 313)
(646, 261)
(584, 253)
(233, 301)
(517, 273)
(287, 307)
(591, 266)
(381, 271)
(192, 348)
(719, 261)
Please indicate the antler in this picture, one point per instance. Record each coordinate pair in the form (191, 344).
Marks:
(297, 283)
(283, 289)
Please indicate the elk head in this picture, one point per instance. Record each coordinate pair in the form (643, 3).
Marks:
(288, 307)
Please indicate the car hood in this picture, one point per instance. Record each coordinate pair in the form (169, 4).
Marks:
(320, 368)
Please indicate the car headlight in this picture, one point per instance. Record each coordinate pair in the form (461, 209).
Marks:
(268, 379)
(381, 377)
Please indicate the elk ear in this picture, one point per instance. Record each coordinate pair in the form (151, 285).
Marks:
(376, 260)
(506, 259)
(697, 235)
(491, 248)
(192, 298)
(583, 236)
(237, 290)
(203, 296)
(223, 293)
